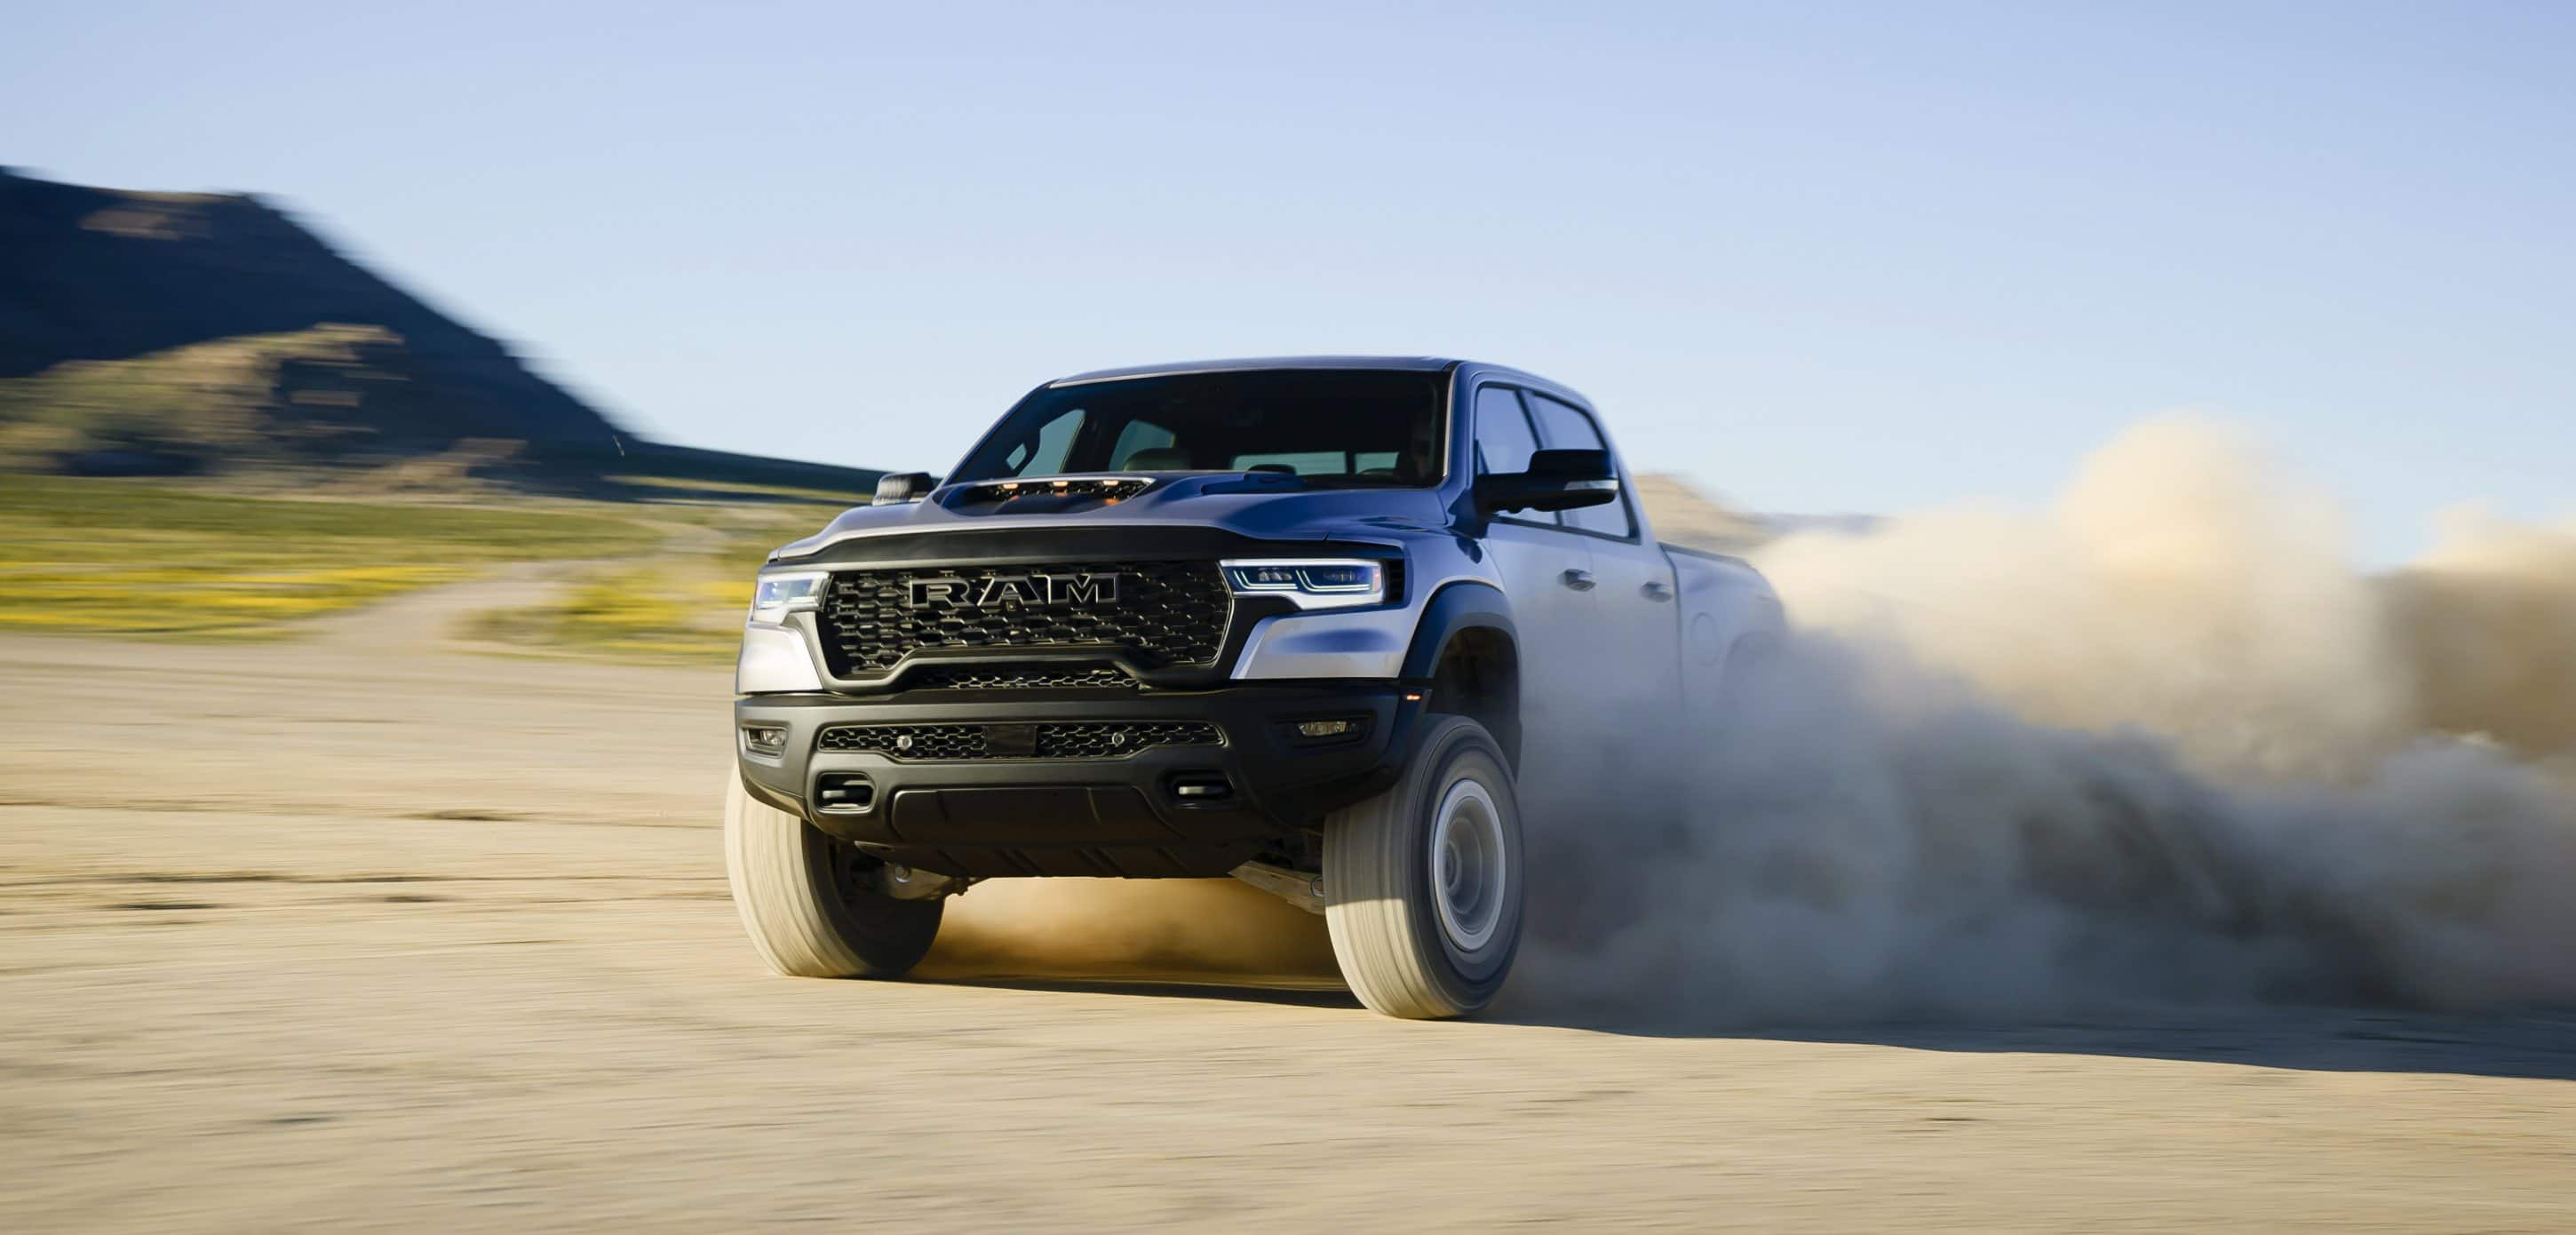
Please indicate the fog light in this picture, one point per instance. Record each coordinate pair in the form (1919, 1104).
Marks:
(1327, 731)
(765, 739)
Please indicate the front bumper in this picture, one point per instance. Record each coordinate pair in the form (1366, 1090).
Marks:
(1150, 813)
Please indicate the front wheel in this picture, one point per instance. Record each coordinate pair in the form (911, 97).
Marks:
(1423, 883)
(810, 901)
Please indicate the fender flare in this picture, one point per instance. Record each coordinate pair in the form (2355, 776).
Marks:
(1454, 611)
(1457, 606)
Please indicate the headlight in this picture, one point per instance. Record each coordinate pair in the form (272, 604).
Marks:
(776, 594)
(1322, 583)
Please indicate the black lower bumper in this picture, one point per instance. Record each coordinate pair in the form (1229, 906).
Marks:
(1023, 806)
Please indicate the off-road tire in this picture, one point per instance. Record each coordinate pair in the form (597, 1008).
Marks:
(1396, 932)
(804, 899)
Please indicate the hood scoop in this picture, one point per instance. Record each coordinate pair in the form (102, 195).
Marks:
(1049, 496)
(1058, 495)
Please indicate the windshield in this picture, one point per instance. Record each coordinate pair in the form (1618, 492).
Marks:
(1331, 426)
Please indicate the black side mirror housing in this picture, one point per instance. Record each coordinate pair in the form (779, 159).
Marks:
(898, 487)
(1556, 480)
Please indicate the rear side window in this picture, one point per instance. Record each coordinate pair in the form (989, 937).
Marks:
(1563, 426)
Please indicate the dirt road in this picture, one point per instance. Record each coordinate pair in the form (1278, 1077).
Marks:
(333, 935)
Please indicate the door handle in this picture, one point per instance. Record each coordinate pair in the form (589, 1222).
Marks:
(1579, 580)
(1656, 591)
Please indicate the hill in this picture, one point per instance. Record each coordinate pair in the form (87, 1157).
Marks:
(182, 333)
(1684, 515)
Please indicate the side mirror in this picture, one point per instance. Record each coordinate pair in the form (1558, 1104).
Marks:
(898, 487)
(1556, 480)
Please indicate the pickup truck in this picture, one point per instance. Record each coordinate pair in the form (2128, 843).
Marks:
(1324, 624)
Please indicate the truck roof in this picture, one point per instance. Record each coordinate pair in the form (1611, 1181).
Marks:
(1410, 364)
(1402, 364)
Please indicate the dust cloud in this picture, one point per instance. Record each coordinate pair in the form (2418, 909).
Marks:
(2161, 744)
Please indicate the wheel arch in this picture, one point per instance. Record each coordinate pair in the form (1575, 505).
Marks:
(1466, 650)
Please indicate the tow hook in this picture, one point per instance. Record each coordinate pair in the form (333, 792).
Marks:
(903, 883)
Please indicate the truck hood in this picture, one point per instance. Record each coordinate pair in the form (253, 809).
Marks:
(1260, 505)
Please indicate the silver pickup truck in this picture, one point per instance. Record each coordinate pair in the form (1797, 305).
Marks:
(1323, 624)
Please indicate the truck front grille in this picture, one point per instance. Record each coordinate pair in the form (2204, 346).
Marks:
(1160, 614)
(1054, 740)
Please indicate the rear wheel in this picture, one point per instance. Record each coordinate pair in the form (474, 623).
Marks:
(811, 901)
(1423, 883)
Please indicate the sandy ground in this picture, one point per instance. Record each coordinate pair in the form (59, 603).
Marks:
(356, 933)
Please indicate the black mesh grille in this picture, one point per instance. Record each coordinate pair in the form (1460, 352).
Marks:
(907, 741)
(1161, 613)
(1109, 740)
(1099, 677)
(1067, 740)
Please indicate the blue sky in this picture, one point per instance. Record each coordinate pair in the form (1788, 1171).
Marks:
(1818, 257)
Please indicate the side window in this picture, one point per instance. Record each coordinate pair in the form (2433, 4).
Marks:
(1504, 442)
(1565, 427)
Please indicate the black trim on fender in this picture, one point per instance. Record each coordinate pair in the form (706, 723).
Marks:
(1459, 605)
(1490, 697)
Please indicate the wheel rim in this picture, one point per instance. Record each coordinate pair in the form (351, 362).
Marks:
(1468, 866)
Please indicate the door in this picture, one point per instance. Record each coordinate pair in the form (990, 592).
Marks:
(1548, 573)
(1637, 628)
